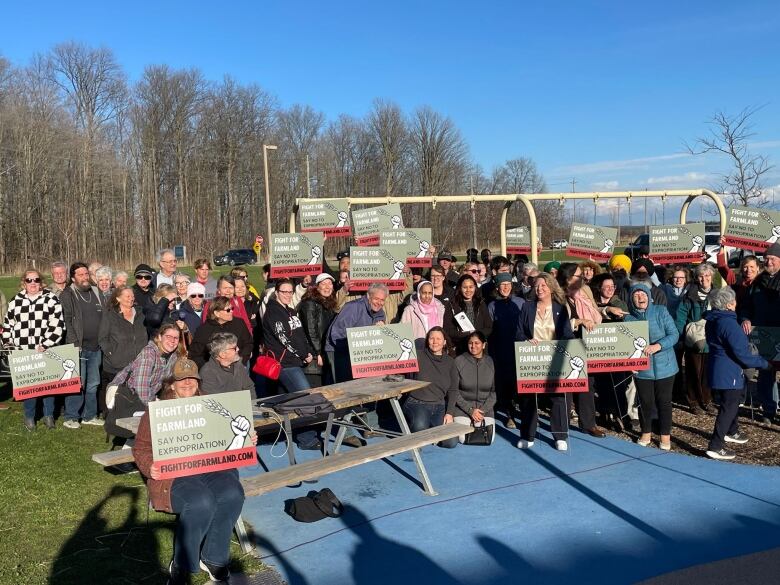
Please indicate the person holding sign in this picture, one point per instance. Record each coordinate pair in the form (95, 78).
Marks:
(433, 405)
(584, 315)
(34, 321)
(655, 384)
(207, 504)
(466, 312)
(544, 318)
(729, 355)
(476, 396)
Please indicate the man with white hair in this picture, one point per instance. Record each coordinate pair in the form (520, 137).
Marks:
(166, 260)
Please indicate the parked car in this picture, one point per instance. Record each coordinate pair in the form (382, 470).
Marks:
(559, 244)
(711, 247)
(236, 257)
(632, 250)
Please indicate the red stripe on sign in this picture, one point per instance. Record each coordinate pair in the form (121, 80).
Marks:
(676, 257)
(384, 368)
(372, 240)
(738, 242)
(297, 270)
(48, 389)
(206, 462)
(363, 284)
(413, 262)
(618, 365)
(552, 386)
(585, 253)
(331, 231)
(518, 249)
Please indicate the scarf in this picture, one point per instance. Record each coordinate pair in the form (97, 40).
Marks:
(585, 308)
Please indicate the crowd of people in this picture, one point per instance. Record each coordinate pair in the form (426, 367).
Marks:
(169, 335)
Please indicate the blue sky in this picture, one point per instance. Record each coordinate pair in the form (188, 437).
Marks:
(602, 91)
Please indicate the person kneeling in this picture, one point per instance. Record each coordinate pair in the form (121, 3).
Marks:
(476, 386)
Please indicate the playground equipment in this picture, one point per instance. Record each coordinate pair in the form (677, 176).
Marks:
(527, 200)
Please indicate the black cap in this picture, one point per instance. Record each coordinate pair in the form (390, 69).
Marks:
(143, 269)
(342, 254)
(446, 255)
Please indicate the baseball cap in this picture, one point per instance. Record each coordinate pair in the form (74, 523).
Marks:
(323, 276)
(184, 368)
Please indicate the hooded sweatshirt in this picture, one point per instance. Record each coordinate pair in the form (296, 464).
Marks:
(662, 330)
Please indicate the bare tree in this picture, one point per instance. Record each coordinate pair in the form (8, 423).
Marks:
(730, 136)
(391, 135)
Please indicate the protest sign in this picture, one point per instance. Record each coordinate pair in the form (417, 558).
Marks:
(752, 229)
(415, 241)
(591, 241)
(368, 223)
(385, 265)
(677, 243)
(551, 366)
(380, 350)
(329, 216)
(518, 239)
(296, 254)
(767, 340)
(202, 434)
(54, 371)
(615, 347)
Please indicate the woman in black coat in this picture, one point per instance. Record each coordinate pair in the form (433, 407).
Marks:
(220, 319)
(317, 310)
(467, 303)
(544, 318)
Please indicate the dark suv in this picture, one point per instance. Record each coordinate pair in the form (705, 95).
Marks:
(632, 250)
(236, 257)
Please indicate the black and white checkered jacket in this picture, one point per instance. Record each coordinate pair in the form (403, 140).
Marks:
(32, 322)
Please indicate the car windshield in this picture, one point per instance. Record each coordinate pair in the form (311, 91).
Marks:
(712, 239)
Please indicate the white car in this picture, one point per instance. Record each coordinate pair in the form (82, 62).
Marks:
(559, 244)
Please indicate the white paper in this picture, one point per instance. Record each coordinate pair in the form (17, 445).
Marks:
(464, 323)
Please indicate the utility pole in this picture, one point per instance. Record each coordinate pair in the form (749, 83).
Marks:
(645, 212)
(573, 183)
(473, 214)
(308, 180)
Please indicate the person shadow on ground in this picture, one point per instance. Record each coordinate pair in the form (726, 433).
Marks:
(99, 553)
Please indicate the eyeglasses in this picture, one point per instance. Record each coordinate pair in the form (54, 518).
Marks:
(143, 277)
(678, 278)
(183, 283)
(285, 292)
(197, 296)
(473, 271)
(31, 280)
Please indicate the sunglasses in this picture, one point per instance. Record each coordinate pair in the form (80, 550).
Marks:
(143, 277)
(31, 280)
(197, 296)
(228, 309)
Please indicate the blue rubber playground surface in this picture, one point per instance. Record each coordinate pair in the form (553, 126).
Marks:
(606, 511)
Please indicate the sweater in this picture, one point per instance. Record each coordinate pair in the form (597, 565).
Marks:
(283, 335)
(216, 378)
(199, 350)
(476, 385)
(33, 322)
(120, 340)
(442, 377)
(357, 313)
(729, 351)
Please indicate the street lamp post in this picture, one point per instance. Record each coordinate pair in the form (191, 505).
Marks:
(266, 148)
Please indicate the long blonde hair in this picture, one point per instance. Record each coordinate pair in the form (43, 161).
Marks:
(552, 284)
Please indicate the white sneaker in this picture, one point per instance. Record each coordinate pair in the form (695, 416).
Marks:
(71, 424)
(523, 444)
(96, 422)
(561, 445)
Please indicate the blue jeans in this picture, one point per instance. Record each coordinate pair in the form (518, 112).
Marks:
(293, 380)
(767, 391)
(90, 382)
(208, 506)
(31, 403)
(425, 415)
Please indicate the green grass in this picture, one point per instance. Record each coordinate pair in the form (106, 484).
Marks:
(67, 521)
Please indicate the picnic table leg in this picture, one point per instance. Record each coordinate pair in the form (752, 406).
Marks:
(326, 438)
(341, 433)
(243, 537)
(399, 415)
(290, 442)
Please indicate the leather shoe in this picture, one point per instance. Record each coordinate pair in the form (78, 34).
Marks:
(353, 441)
(596, 432)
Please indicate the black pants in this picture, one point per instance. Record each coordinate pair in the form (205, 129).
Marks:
(559, 416)
(658, 394)
(586, 406)
(726, 421)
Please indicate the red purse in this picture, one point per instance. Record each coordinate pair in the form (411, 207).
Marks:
(268, 366)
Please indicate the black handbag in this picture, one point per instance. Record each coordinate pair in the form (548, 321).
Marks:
(481, 435)
(126, 404)
(314, 506)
